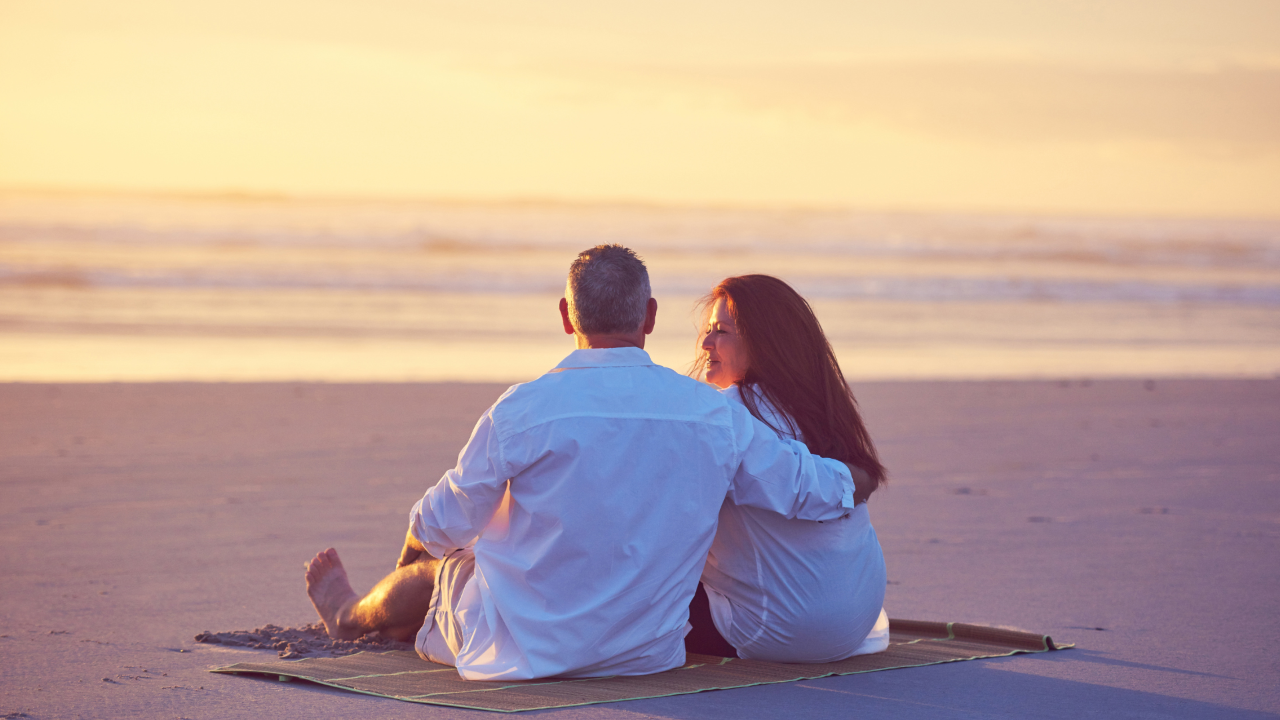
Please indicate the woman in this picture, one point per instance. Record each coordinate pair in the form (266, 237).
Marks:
(778, 589)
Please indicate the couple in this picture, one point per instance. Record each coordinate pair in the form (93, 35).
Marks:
(570, 539)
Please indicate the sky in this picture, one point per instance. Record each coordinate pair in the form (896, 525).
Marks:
(1148, 107)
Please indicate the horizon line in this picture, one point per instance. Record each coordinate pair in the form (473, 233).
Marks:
(247, 195)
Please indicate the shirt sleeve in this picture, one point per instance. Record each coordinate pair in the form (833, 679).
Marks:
(781, 475)
(456, 510)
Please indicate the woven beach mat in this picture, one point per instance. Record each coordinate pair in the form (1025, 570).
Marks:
(404, 676)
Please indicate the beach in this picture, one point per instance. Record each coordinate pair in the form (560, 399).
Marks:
(1137, 518)
(264, 265)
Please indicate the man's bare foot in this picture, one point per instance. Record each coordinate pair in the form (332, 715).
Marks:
(331, 594)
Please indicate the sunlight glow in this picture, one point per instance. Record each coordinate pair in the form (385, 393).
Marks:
(1170, 107)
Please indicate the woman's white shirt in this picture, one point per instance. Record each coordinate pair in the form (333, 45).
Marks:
(796, 590)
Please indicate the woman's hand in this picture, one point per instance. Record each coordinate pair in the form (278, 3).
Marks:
(413, 549)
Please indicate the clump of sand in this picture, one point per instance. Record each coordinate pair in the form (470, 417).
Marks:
(306, 641)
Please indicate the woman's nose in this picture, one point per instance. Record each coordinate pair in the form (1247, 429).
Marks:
(706, 341)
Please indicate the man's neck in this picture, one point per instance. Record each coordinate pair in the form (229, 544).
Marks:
(602, 342)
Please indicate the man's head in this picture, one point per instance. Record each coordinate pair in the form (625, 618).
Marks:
(608, 296)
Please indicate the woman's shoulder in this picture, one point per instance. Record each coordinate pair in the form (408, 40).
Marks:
(734, 393)
(767, 412)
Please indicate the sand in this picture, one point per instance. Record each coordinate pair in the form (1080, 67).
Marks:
(308, 641)
(1138, 520)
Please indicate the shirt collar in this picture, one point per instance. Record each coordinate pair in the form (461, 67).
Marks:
(605, 357)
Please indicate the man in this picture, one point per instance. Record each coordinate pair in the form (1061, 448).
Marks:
(570, 537)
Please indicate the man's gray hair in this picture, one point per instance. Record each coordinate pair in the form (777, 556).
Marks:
(608, 291)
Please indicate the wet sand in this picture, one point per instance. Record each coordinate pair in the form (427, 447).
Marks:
(1138, 520)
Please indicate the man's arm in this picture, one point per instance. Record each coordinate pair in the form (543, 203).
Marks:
(456, 510)
(862, 488)
(783, 476)
(413, 549)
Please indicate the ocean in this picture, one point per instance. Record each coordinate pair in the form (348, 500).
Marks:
(119, 287)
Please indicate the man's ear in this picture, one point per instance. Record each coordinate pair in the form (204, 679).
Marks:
(650, 315)
(564, 316)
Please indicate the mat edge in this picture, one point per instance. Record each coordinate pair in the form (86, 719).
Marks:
(1052, 647)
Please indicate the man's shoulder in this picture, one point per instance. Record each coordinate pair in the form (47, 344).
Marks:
(660, 377)
(682, 388)
(654, 387)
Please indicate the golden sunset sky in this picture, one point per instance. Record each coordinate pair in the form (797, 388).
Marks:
(1095, 106)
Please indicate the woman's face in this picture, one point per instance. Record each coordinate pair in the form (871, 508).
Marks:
(726, 353)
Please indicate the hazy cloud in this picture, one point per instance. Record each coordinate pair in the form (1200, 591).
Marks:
(1223, 107)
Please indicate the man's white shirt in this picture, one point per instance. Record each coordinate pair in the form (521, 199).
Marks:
(589, 497)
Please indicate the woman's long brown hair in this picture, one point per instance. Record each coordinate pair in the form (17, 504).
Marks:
(792, 365)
